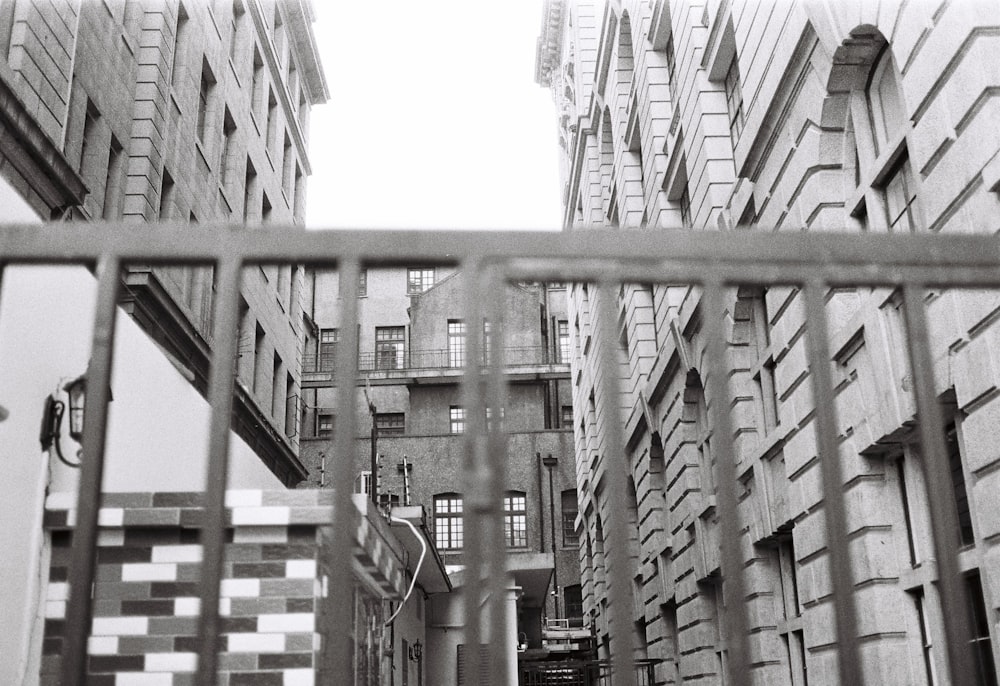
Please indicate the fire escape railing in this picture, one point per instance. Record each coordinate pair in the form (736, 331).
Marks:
(713, 261)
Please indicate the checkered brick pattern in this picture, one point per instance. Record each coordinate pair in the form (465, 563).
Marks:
(146, 599)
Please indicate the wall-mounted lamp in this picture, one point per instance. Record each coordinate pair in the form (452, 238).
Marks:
(416, 651)
(77, 392)
(51, 432)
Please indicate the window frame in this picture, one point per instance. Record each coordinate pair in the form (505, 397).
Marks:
(420, 279)
(448, 521)
(515, 519)
(390, 339)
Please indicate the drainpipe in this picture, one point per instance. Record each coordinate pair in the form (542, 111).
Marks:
(549, 463)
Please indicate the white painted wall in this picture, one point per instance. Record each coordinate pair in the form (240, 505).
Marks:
(157, 433)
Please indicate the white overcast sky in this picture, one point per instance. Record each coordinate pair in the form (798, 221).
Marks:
(434, 118)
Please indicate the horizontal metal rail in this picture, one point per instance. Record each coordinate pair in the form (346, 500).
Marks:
(815, 262)
(437, 359)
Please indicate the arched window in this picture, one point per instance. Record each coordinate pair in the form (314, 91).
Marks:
(885, 103)
(515, 519)
(448, 521)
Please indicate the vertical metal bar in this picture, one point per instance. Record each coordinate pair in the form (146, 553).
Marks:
(937, 475)
(213, 527)
(84, 551)
(734, 593)
(476, 509)
(338, 605)
(615, 468)
(833, 489)
(496, 452)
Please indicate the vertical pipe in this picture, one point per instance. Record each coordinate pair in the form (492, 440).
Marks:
(213, 528)
(496, 392)
(476, 503)
(833, 489)
(734, 592)
(552, 526)
(937, 476)
(338, 603)
(614, 469)
(84, 551)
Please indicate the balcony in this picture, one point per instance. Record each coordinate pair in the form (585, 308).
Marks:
(441, 366)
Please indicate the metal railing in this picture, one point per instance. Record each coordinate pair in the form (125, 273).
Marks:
(581, 673)
(509, 356)
(713, 261)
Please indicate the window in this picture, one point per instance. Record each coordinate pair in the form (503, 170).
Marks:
(925, 635)
(324, 424)
(265, 209)
(88, 146)
(166, 195)
(487, 342)
(489, 419)
(287, 167)
(562, 332)
(113, 181)
(456, 417)
(515, 529)
(900, 193)
(205, 92)
(566, 417)
(791, 631)
(734, 99)
(272, 119)
(249, 189)
(570, 509)
(362, 283)
(179, 38)
(965, 533)
(257, 90)
(456, 343)
(573, 604)
(390, 423)
(389, 347)
(448, 521)
(228, 129)
(234, 36)
(419, 280)
(258, 358)
(986, 673)
(328, 339)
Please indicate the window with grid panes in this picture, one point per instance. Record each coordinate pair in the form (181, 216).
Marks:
(456, 418)
(328, 339)
(734, 99)
(324, 424)
(456, 343)
(562, 332)
(448, 521)
(570, 509)
(390, 423)
(389, 346)
(419, 280)
(515, 520)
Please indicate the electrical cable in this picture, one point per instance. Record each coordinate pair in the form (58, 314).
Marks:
(58, 407)
(420, 562)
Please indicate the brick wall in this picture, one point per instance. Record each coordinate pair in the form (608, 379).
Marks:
(146, 597)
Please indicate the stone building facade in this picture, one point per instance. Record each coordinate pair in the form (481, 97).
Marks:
(818, 116)
(412, 356)
(176, 111)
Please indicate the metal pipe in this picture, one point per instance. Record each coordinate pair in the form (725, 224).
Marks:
(937, 476)
(83, 554)
(213, 529)
(615, 468)
(732, 564)
(841, 576)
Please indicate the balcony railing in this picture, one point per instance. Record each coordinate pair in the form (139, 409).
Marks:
(713, 261)
(510, 356)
